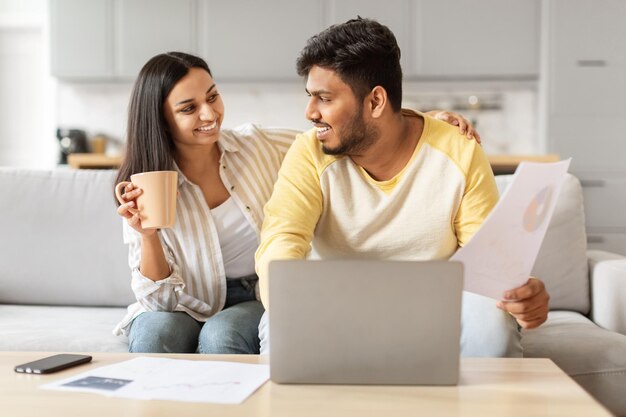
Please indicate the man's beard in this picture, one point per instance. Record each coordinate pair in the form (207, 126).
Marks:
(354, 138)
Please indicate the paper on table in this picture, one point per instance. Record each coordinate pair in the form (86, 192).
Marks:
(501, 255)
(170, 379)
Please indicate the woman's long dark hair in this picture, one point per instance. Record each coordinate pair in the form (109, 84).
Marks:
(149, 145)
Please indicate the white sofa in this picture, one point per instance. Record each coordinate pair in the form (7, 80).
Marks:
(64, 276)
(65, 283)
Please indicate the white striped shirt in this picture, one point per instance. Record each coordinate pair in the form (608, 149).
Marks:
(249, 164)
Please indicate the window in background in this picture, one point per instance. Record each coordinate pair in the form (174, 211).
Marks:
(24, 109)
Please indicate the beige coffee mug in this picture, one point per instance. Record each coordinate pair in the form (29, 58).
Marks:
(157, 204)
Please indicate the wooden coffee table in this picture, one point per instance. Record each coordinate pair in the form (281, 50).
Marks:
(488, 387)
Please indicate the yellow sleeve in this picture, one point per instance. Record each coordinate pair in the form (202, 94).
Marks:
(292, 211)
(479, 198)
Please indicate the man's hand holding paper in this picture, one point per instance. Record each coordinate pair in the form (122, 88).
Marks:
(528, 303)
(499, 258)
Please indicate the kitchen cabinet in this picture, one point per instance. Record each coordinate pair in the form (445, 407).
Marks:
(593, 142)
(476, 39)
(112, 39)
(588, 71)
(80, 38)
(456, 39)
(144, 28)
(604, 198)
(584, 94)
(585, 86)
(250, 40)
(605, 201)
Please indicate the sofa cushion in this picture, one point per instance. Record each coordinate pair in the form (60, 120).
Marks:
(61, 239)
(562, 260)
(592, 356)
(60, 329)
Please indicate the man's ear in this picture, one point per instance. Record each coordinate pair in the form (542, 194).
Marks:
(377, 101)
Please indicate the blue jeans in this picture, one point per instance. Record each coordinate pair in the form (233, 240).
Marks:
(486, 331)
(234, 330)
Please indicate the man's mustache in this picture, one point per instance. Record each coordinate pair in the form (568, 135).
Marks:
(319, 122)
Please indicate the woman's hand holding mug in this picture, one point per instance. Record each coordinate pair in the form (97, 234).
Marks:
(128, 206)
(149, 200)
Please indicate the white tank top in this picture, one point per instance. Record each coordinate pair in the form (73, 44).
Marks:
(238, 240)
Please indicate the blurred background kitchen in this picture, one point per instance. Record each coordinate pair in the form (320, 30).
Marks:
(540, 79)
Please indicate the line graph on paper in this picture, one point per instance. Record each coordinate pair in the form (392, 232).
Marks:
(198, 384)
(149, 378)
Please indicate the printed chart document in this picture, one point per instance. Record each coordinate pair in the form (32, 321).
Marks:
(501, 255)
(146, 378)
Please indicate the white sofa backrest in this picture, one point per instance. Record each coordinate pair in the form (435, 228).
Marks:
(61, 242)
(562, 259)
(61, 239)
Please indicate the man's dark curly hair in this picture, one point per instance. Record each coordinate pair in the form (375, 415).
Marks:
(363, 52)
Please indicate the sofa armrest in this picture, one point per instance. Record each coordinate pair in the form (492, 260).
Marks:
(607, 273)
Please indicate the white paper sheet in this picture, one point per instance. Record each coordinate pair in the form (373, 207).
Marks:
(501, 255)
(148, 378)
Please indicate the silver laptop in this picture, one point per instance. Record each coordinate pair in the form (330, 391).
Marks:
(365, 322)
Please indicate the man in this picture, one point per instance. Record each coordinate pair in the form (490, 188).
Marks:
(372, 180)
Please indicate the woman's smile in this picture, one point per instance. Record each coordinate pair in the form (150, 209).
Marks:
(208, 128)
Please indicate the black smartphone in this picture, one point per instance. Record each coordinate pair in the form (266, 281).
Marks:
(52, 364)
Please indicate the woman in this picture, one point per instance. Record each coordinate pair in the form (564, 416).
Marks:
(195, 283)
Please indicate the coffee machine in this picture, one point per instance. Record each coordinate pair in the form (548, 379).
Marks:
(71, 141)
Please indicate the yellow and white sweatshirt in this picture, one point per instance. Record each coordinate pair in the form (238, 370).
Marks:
(332, 205)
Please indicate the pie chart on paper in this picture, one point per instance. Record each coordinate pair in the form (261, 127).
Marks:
(537, 210)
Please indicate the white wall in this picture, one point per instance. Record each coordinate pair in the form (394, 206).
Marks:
(101, 109)
(21, 132)
(27, 9)
(27, 116)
